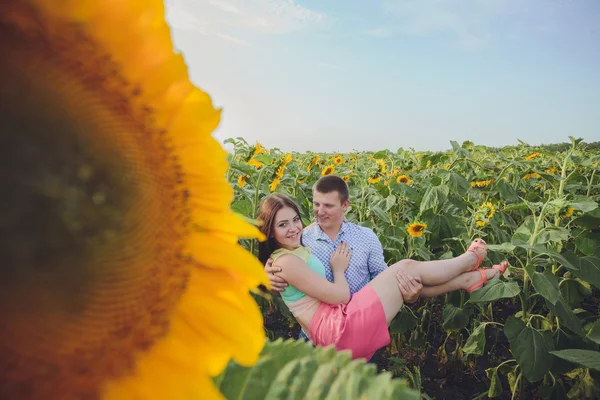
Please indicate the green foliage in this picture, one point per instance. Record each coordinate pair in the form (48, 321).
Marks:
(545, 222)
(297, 370)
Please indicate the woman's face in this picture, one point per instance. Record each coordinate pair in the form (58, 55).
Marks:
(287, 228)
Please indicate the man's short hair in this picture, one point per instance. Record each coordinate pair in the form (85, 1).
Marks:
(332, 183)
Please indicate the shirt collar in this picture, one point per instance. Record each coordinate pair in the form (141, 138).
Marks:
(323, 236)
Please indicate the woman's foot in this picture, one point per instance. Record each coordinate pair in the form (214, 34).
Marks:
(476, 280)
(478, 248)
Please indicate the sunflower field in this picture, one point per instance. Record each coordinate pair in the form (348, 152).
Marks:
(535, 332)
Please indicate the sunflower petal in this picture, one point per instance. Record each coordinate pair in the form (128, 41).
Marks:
(218, 253)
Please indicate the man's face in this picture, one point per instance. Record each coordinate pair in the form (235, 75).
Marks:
(329, 209)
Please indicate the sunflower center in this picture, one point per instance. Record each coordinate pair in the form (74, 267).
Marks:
(64, 195)
(93, 217)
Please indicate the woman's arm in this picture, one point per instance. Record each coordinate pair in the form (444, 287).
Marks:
(298, 274)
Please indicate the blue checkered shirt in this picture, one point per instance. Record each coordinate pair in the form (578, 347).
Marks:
(366, 261)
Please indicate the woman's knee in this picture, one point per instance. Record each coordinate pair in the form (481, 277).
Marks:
(407, 266)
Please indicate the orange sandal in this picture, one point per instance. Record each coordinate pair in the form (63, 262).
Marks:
(501, 268)
(477, 244)
(480, 282)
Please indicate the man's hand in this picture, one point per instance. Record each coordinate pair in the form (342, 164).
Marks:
(278, 284)
(410, 287)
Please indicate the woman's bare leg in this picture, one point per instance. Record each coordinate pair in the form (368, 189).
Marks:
(461, 282)
(432, 273)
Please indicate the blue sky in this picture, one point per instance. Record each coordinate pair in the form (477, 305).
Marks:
(335, 75)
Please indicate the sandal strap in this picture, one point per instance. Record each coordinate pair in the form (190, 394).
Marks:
(501, 267)
(480, 282)
(472, 248)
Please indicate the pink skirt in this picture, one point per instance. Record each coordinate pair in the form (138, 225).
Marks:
(359, 326)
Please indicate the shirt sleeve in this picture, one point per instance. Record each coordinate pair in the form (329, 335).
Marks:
(376, 261)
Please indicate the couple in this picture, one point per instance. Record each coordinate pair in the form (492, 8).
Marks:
(333, 276)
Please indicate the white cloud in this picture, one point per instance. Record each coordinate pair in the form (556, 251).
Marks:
(180, 19)
(253, 16)
(232, 39)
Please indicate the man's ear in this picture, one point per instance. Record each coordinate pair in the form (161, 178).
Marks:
(345, 205)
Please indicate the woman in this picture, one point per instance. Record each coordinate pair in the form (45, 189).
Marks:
(326, 310)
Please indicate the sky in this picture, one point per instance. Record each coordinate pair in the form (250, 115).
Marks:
(367, 75)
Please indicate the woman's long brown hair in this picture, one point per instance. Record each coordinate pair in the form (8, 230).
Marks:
(269, 207)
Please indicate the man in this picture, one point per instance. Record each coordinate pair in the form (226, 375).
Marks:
(330, 202)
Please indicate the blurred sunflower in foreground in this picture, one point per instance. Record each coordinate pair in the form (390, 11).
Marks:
(120, 272)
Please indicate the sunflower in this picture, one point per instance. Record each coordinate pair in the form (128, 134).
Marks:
(280, 171)
(382, 166)
(567, 213)
(242, 180)
(338, 160)
(403, 179)
(374, 179)
(255, 163)
(489, 208)
(416, 229)
(346, 178)
(532, 175)
(328, 170)
(273, 185)
(121, 274)
(286, 158)
(481, 184)
(484, 214)
(532, 156)
(258, 149)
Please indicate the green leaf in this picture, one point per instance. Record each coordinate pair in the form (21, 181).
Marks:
(476, 342)
(495, 388)
(455, 318)
(530, 347)
(553, 234)
(442, 226)
(458, 184)
(584, 205)
(501, 248)
(587, 242)
(573, 291)
(297, 370)
(566, 315)
(586, 268)
(543, 250)
(507, 192)
(586, 358)
(243, 207)
(380, 154)
(586, 387)
(546, 284)
(404, 321)
(382, 215)
(434, 197)
(494, 290)
(594, 332)
(264, 158)
(389, 202)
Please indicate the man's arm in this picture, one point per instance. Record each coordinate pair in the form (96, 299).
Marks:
(375, 263)
(409, 286)
(278, 284)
